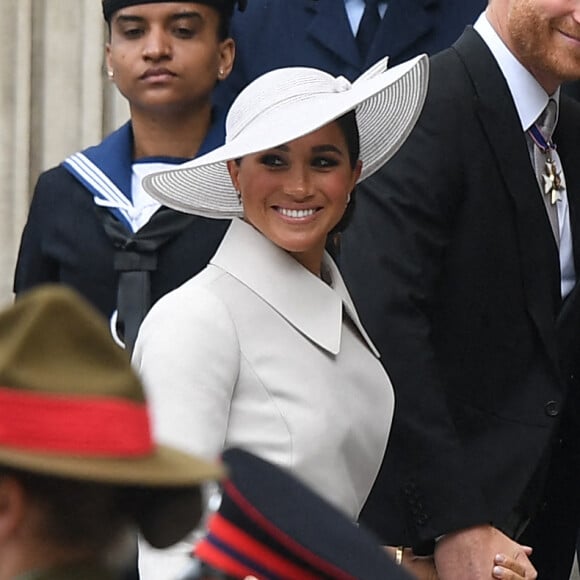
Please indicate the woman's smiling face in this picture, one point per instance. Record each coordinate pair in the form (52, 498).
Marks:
(296, 193)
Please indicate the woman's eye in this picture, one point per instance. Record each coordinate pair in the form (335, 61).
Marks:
(132, 32)
(324, 162)
(272, 160)
(183, 32)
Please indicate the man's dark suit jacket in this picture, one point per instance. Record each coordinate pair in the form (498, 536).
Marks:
(451, 262)
(276, 33)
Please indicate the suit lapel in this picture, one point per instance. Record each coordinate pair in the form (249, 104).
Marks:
(405, 23)
(567, 141)
(568, 320)
(330, 28)
(500, 123)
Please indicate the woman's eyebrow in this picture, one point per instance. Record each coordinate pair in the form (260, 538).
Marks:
(327, 148)
(126, 18)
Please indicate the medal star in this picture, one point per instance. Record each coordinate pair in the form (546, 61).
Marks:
(552, 182)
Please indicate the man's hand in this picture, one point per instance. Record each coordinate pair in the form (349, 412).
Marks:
(472, 553)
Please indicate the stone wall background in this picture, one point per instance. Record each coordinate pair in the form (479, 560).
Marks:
(55, 99)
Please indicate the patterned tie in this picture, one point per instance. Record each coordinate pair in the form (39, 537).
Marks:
(547, 164)
(369, 23)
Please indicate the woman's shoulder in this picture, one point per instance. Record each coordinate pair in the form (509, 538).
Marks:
(57, 184)
(193, 316)
(201, 298)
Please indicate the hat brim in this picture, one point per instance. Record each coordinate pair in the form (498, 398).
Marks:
(165, 467)
(170, 478)
(387, 105)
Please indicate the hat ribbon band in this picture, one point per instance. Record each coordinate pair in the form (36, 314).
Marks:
(229, 548)
(95, 426)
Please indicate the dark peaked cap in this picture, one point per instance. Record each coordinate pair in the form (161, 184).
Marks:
(111, 6)
(271, 526)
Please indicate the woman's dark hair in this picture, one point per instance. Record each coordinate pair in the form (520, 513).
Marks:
(225, 11)
(349, 128)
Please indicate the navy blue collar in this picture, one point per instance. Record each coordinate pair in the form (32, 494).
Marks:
(106, 169)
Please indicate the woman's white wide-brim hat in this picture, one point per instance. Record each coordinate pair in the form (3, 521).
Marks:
(288, 103)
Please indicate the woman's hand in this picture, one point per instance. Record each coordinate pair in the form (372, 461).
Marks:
(508, 568)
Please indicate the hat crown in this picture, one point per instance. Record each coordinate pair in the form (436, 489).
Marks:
(278, 89)
(53, 342)
(287, 104)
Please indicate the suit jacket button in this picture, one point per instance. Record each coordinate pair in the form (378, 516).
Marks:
(551, 409)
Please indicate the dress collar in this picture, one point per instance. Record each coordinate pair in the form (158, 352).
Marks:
(313, 307)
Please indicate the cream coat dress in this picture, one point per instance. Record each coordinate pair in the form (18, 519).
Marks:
(257, 352)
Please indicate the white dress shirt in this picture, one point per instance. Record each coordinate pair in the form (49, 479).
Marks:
(355, 9)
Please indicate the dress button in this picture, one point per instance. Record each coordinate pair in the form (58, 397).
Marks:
(551, 409)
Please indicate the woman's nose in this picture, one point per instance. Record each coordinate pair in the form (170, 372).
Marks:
(157, 45)
(298, 183)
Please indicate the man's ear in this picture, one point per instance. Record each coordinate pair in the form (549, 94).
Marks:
(12, 504)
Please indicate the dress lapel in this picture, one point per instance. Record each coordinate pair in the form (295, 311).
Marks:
(538, 251)
(339, 287)
(304, 300)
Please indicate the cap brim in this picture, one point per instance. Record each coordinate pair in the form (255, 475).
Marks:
(387, 106)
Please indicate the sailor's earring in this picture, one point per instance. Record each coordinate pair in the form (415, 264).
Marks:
(221, 73)
(110, 74)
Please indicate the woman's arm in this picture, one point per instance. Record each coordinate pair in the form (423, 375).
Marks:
(188, 355)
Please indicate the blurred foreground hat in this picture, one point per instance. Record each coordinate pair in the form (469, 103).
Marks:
(269, 525)
(286, 104)
(227, 6)
(71, 406)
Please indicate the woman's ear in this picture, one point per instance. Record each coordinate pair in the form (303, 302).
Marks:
(357, 171)
(108, 59)
(234, 171)
(226, 58)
